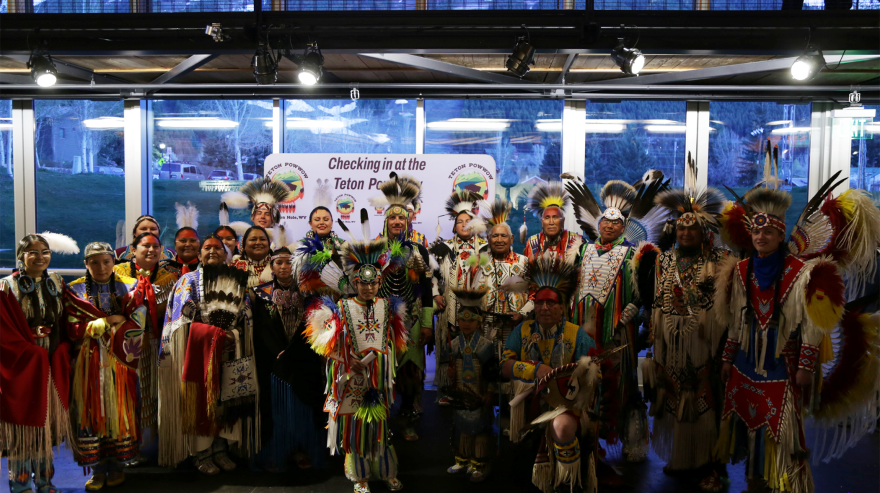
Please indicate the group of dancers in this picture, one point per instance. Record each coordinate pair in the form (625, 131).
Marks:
(243, 344)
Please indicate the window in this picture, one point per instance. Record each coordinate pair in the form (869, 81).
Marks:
(81, 7)
(865, 171)
(523, 136)
(80, 180)
(7, 195)
(626, 139)
(380, 126)
(193, 139)
(737, 141)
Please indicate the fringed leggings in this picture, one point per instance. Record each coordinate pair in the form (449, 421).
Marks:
(359, 469)
(20, 472)
(293, 430)
(475, 449)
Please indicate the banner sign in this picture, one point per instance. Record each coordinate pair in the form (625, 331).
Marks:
(344, 183)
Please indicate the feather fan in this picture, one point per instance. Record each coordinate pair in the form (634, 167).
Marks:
(225, 291)
(59, 243)
(586, 210)
(323, 325)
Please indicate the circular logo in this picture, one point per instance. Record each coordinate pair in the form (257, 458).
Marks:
(345, 205)
(295, 182)
(472, 182)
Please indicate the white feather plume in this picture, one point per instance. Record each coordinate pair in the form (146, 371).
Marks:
(187, 215)
(224, 214)
(280, 236)
(523, 233)
(379, 201)
(438, 229)
(235, 200)
(60, 243)
(477, 225)
(240, 227)
(120, 233)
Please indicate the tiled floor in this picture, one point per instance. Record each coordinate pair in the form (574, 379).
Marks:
(423, 469)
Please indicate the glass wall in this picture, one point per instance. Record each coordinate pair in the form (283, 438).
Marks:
(865, 164)
(7, 195)
(738, 139)
(624, 140)
(80, 171)
(201, 149)
(380, 126)
(524, 137)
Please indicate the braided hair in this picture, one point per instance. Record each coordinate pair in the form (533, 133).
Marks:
(94, 299)
(49, 298)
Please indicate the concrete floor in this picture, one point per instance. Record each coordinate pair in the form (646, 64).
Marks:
(423, 469)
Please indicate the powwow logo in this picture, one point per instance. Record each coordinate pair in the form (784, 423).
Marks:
(472, 182)
(380, 211)
(295, 183)
(345, 206)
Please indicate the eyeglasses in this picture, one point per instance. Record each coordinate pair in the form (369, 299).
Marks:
(38, 253)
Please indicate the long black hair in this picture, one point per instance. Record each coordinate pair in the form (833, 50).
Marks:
(245, 236)
(50, 318)
(93, 297)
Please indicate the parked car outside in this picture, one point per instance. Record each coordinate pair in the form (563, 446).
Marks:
(180, 171)
(250, 176)
(221, 174)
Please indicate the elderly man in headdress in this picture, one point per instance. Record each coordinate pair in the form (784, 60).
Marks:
(606, 302)
(531, 354)
(411, 282)
(548, 202)
(456, 258)
(681, 380)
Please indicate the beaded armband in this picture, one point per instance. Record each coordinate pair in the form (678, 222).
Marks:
(525, 371)
(809, 355)
(728, 354)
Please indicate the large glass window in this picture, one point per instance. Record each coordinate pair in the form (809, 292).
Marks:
(523, 136)
(80, 172)
(7, 195)
(865, 164)
(738, 139)
(624, 140)
(380, 126)
(201, 149)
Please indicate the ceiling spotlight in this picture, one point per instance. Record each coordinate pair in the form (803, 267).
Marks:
(630, 60)
(265, 65)
(311, 67)
(808, 65)
(523, 56)
(42, 69)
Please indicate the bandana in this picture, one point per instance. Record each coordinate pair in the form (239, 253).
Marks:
(280, 255)
(605, 248)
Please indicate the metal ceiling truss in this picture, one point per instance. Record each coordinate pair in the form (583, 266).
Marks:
(184, 67)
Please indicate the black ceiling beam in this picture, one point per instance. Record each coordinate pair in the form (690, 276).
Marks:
(667, 32)
(566, 67)
(444, 67)
(184, 67)
(74, 70)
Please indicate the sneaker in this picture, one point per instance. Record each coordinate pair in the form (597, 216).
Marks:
(96, 482)
(223, 460)
(207, 466)
(361, 487)
(459, 469)
(479, 475)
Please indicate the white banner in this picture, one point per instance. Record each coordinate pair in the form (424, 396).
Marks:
(346, 182)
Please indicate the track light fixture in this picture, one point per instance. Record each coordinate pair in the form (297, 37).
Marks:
(523, 55)
(806, 66)
(42, 68)
(311, 67)
(630, 60)
(265, 65)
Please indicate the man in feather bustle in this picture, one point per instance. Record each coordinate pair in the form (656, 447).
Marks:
(208, 322)
(532, 351)
(362, 338)
(548, 202)
(457, 258)
(410, 281)
(780, 305)
(681, 380)
(606, 302)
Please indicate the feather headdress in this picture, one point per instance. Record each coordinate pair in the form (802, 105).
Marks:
(498, 213)
(544, 195)
(225, 291)
(687, 206)
(261, 192)
(59, 243)
(618, 197)
(397, 191)
(462, 201)
(187, 215)
(365, 260)
(551, 271)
